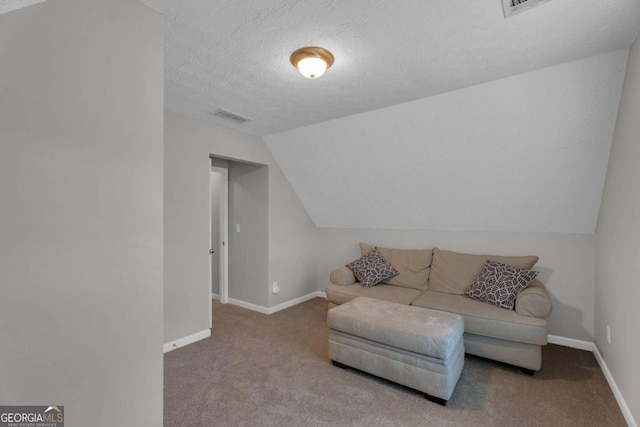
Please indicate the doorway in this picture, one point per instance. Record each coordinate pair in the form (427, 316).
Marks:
(219, 231)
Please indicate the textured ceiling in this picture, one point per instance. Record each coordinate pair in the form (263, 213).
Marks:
(234, 54)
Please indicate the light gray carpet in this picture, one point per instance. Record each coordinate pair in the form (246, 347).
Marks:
(259, 370)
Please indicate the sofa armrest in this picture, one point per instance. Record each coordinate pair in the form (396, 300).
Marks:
(342, 276)
(534, 301)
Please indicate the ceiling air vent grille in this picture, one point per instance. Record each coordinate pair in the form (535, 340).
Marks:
(511, 7)
(226, 114)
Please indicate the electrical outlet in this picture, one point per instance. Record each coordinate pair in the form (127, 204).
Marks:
(275, 288)
(608, 335)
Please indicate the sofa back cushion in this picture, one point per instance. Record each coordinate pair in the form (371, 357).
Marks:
(412, 265)
(454, 273)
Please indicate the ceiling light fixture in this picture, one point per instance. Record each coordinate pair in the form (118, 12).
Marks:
(312, 62)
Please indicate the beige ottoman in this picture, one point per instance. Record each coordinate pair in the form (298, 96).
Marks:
(413, 346)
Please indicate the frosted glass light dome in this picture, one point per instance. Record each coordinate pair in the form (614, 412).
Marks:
(312, 68)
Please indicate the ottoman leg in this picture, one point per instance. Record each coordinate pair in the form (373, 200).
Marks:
(429, 397)
(434, 399)
(529, 372)
(338, 364)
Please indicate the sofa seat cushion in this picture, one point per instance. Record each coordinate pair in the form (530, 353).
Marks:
(454, 272)
(412, 265)
(487, 320)
(340, 294)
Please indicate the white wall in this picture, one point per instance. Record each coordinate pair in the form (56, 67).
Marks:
(291, 252)
(525, 153)
(617, 248)
(81, 118)
(566, 263)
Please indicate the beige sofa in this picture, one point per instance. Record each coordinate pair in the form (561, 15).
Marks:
(437, 279)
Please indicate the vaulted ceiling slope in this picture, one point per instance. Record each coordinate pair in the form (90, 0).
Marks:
(524, 153)
(235, 54)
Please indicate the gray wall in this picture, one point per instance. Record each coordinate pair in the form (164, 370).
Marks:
(248, 249)
(81, 124)
(566, 263)
(215, 184)
(292, 241)
(216, 213)
(617, 237)
(291, 234)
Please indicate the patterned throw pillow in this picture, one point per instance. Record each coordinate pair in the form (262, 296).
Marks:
(499, 284)
(372, 268)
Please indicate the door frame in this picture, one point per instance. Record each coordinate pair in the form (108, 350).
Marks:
(223, 224)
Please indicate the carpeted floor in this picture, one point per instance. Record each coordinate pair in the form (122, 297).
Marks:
(260, 370)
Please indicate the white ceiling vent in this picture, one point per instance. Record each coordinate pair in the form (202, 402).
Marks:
(511, 7)
(226, 114)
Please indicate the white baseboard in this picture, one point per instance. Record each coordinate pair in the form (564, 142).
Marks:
(293, 302)
(187, 340)
(614, 387)
(570, 342)
(248, 305)
(215, 296)
(276, 308)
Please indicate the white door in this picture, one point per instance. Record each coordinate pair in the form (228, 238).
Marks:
(218, 185)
